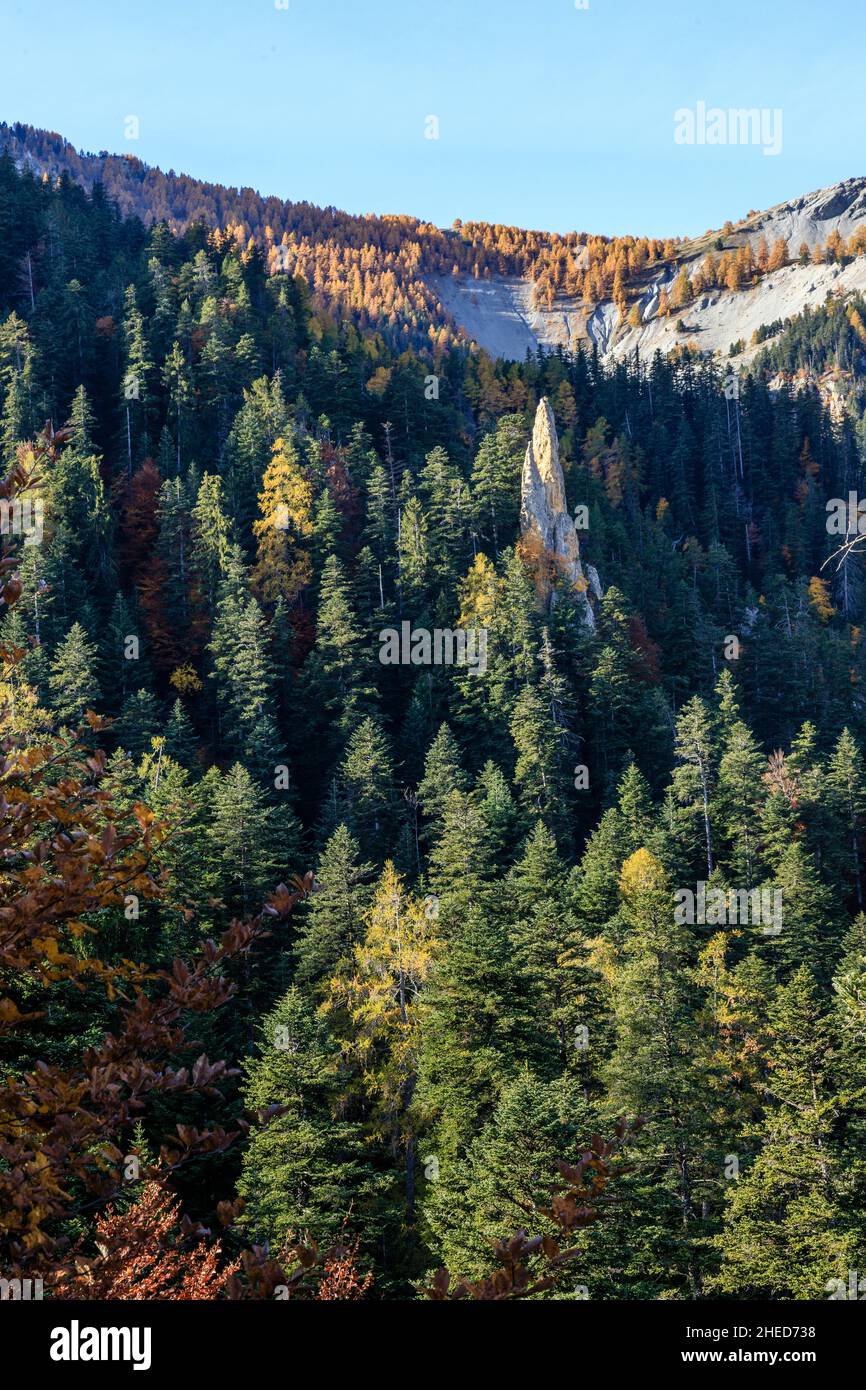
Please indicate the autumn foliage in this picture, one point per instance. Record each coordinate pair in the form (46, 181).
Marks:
(66, 854)
(141, 1255)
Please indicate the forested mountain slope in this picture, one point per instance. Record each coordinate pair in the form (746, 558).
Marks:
(509, 289)
(490, 965)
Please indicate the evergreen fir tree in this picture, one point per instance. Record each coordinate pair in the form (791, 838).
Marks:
(785, 1231)
(73, 682)
(140, 721)
(180, 739)
(652, 1071)
(364, 795)
(333, 923)
(307, 1166)
(443, 774)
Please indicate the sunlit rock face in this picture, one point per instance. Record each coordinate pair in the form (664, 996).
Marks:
(549, 541)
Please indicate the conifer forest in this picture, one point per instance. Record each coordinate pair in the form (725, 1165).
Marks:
(432, 782)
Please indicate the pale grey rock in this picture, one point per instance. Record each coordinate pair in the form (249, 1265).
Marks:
(549, 540)
(501, 313)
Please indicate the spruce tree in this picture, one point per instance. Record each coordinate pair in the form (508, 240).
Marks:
(546, 952)
(786, 1233)
(73, 680)
(139, 722)
(654, 1071)
(810, 930)
(339, 671)
(443, 774)
(495, 475)
(333, 920)
(245, 679)
(694, 779)
(846, 787)
(509, 1172)
(363, 793)
(180, 738)
(306, 1170)
(252, 849)
(739, 797)
(459, 861)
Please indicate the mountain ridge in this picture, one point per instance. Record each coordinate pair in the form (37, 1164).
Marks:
(508, 290)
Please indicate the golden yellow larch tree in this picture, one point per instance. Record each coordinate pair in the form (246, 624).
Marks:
(819, 598)
(378, 996)
(478, 594)
(283, 565)
(779, 255)
(733, 1032)
(642, 873)
(681, 294)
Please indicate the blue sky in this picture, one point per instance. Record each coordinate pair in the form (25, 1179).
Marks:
(549, 116)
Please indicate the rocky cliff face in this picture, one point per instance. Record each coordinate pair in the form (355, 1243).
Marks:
(548, 539)
(500, 314)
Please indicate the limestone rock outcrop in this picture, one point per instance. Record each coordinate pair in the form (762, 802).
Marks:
(549, 542)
